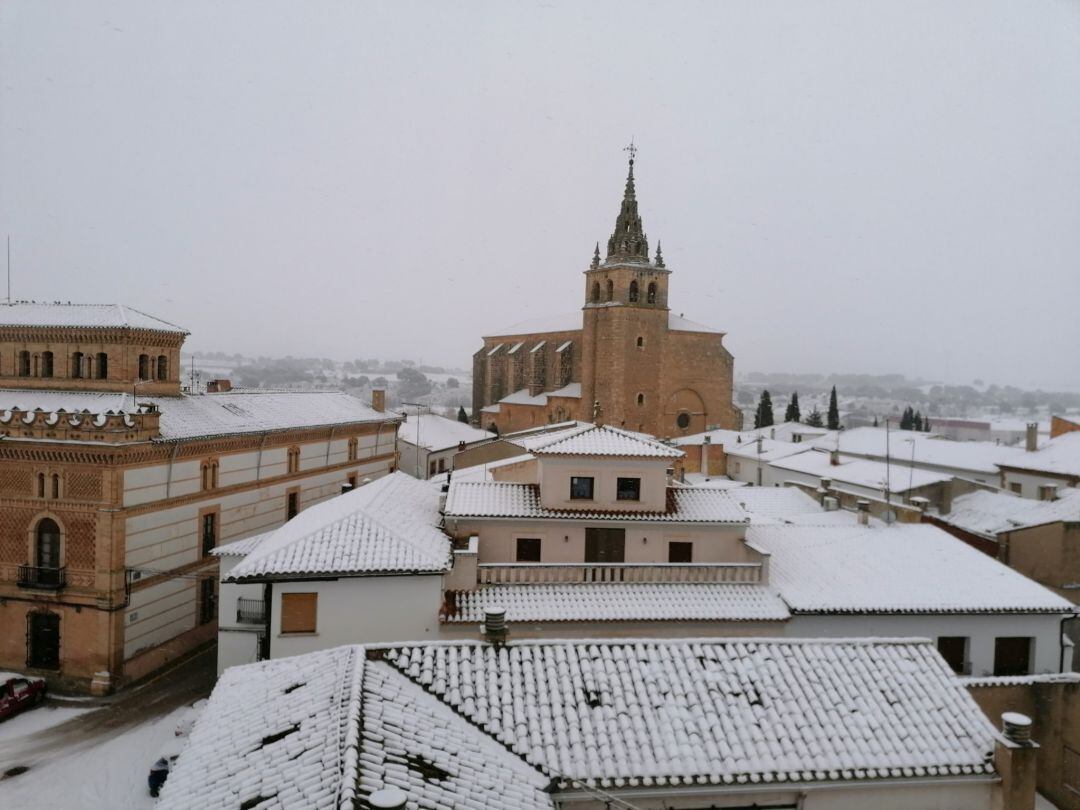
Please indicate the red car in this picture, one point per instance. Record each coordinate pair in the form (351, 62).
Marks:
(18, 692)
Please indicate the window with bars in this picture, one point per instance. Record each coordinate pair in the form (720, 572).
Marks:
(209, 532)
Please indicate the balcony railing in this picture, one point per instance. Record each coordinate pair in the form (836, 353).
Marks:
(549, 573)
(32, 576)
(250, 611)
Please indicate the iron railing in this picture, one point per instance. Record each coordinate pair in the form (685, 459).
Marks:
(503, 573)
(250, 611)
(33, 576)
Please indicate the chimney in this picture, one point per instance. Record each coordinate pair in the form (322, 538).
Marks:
(461, 446)
(218, 386)
(831, 503)
(920, 503)
(378, 399)
(495, 624)
(388, 798)
(1032, 438)
(863, 506)
(1015, 760)
(834, 458)
(670, 475)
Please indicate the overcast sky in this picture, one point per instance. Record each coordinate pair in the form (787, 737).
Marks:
(841, 186)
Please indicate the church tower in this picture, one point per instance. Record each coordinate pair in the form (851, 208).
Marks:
(625, 323)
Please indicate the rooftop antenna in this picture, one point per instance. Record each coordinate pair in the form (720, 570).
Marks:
(9, 268)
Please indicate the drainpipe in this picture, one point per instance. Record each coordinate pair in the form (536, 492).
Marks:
(328, 443)
(258, 461)
(168, 479)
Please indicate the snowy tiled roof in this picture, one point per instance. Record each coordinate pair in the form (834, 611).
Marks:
(534, 437)
(523, 397)
(988, 513)
(204, 415)
(387, 526)
(723, 712)
(775, 502)
(620, 601)
(913, 568)
(439, 433)
(928, 449)
(783, 432)
(570, 390)
(85, 316)
(504, 499)
(323, 731)
(859, 472)
(572, 322)
(770, 450)
(1060, 456)
(240, 548)
(712, 481)
(594, 440)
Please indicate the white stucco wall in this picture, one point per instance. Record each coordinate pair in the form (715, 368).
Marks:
(360, 610)
(237, 643)
(1030, 482)
(980, 629)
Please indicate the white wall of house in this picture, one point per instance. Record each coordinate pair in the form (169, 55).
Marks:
(980, 629)
(237, 643)
(1030, 482)
(741, 468)
(360, 610)
(556, 472)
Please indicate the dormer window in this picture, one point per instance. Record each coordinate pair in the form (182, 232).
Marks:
(581, 487)
(628, 489)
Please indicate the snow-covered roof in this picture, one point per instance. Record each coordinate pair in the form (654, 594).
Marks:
(205, 415)
(775, 502)
(82, 316)
(860, 472)
(783, 432)
(572, 322)
(523, 397)
(570, 390)
(389, 526)
(770, 450)
(712, 481)
(903, 568)
(642, 713)
(325, 730)
(1060, 456)
(480, 472)
(534, 437)
(988, 513)
(240, 548)
(604, 440)
(928, 449)
(503, 499)
(621, 601)
(438, 432)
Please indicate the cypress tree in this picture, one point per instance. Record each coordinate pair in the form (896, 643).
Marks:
(917, 425)
(792, 413)
(462, 416)
(764, 415)
(908, 419)
(875, 420)
(834, 411)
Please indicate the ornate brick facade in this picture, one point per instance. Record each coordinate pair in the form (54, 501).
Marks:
(627, 360)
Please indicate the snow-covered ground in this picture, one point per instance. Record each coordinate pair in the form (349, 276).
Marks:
(105, 771)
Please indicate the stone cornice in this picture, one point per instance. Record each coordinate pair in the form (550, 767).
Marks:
(128, 335)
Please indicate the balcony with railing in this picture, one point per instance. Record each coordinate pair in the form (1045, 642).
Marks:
(250, 611)
(551, 573)
(47, 579)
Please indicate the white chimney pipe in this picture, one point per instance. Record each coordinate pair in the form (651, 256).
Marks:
(495, 624)
(388, 798)
(1016, 727)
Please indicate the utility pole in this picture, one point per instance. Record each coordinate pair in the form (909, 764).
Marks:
(418, 406)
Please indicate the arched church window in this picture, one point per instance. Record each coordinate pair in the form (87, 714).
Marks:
(102, 366)
(610, 290)
(46, 364)
(144, 366)
(652, 293)
(162, 368)
(596, 292)
(48, 544)
(76, 365)
(633, 292)
(640, 399)
(24, 364)
(640, 342)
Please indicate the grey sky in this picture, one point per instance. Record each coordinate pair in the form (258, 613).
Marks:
(849, 186)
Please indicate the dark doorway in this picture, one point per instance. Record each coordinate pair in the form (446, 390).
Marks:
(605, 545)
(954, 649)
(43, 641)
(1012, 655)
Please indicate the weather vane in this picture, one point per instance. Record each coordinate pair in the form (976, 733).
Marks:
(631, 149)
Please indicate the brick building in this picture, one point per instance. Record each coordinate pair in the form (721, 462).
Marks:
(115, 486)
(626, 359)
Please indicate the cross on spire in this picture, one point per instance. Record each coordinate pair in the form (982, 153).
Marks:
(632, 150)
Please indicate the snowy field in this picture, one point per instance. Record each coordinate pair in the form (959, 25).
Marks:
(75, 770)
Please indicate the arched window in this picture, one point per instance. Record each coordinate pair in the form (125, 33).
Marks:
(144, 367)
(47, 545)
(41, 485)
(633, 292)
(46, 364)
(652, 293)
(204, 471)
(24, 364)
(640, 342)
(102, 366)
(610, 290)
(55, 486)
(76, 365)
(294, 460)
(596, 292)
(640, 399)
(353, 445)
(162, 368)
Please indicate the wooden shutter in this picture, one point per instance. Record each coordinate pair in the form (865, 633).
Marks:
(298, 612)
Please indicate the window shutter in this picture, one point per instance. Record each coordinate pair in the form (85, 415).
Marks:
(298, 612)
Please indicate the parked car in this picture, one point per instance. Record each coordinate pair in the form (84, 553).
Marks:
(18, 692)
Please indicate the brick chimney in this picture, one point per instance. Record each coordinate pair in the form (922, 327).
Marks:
(1031, 443)
(378, 399)
(218, 386)
(1015, 759)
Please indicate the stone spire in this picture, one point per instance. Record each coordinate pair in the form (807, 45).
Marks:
(596, 257)
(628, 242)
(659, 255)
